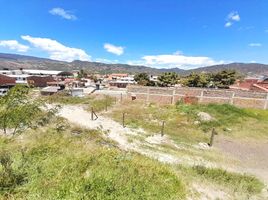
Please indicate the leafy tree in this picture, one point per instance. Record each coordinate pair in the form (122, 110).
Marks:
(197, 80)
(142, 79)
(82, 74)
(17, 110)
(224, 78)
(168, 79)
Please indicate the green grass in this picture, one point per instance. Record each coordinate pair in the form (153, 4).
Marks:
(79, 164)
(99, 102)
(237, 182)
(179, 120)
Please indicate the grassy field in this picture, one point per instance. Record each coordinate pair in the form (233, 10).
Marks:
(63, 161)
(80, 164)
(98, 102)
(183, 124)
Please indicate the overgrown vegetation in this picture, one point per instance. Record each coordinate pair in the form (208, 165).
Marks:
(183, 124)
(18, 111)
(222, 79)
(79, 164)
(99, 103)
(238, 182)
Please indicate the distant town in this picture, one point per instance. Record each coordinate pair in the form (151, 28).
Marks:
(79, 82)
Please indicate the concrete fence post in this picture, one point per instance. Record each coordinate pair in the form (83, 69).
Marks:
(173, 96)
(148, 95)
(201, 96)
(232, 98)
(266, 102)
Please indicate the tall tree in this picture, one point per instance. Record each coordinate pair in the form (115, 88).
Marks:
(142, 79)
(168, 79)
(197, 80)
(224, 78)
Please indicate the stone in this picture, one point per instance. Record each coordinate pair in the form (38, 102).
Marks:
(205, 117)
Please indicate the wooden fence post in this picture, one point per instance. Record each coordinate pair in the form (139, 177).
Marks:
(123, 120)
(213, 133)
(162, 129)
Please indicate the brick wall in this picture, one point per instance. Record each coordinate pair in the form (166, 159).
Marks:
(238, 98)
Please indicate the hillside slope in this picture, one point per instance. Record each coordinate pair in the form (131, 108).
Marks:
(14, 61)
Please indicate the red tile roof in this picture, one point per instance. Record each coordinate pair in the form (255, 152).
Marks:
(5, 80)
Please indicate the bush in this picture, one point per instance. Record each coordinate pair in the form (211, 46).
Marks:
(9, 177)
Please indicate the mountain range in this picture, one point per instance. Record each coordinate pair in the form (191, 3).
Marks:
(15, 61)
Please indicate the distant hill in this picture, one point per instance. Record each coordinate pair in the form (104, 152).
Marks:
(243, 68)
(14, 61)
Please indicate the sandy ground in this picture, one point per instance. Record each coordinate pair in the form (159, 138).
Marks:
(114, 131)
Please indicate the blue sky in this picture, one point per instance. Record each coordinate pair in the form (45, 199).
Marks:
(156, 33)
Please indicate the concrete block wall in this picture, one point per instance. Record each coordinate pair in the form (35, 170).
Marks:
(239, 98)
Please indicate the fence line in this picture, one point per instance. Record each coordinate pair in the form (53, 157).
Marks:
(171, 95)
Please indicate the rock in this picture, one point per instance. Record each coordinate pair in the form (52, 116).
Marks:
(205, 117)
(196, 122)
(203, 146)
(227, 129)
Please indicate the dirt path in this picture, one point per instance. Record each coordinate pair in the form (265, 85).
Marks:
(115, 131)
(253, 155)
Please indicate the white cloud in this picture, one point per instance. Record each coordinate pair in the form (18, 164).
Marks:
(63, 13)
(117, 50)
(232, 18)
(14, 45)
(57, 50)
(175, 60)
(228, 24)
(255, 44)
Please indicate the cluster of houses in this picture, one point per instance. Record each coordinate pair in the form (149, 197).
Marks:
(51, 81)
(254, 83)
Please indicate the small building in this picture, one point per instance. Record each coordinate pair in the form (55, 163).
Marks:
(113, 77)
(20, 78)
(77, 92)
(39, 81)
(35, 72)
(50, 90)
(6, 81)
(118, 84)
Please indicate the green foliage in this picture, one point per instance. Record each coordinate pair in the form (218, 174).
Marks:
(239, 182)
(197, 80)
(168, 79)
(72, 166)
(10, 178)
(18, 110)
(224, 78)
(221, 79)
(99, 103)
(224, 115)
(143, 79)
(82, 74)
